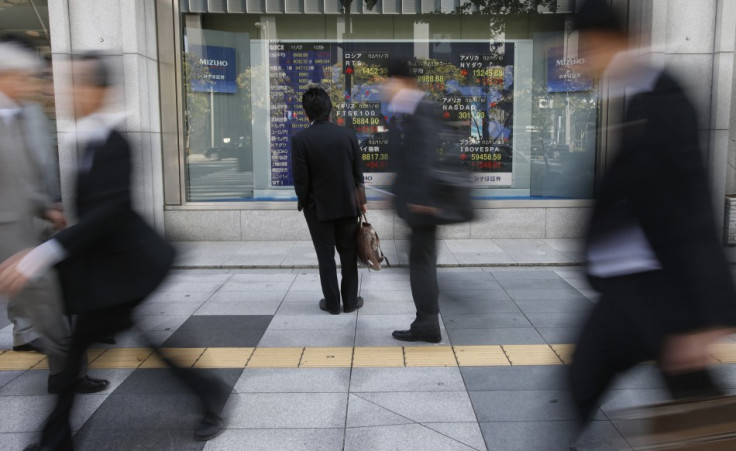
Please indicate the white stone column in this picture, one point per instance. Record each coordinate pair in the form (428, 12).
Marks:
(695, 40)
(125, 32)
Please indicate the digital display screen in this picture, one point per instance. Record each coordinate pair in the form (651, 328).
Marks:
(472, 84)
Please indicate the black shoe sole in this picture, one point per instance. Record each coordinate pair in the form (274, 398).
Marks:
(413, 339)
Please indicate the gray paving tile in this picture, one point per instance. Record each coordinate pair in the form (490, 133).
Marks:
(311, 337)
(616, 400)
(363, 413)
(246, 286)
(466, 433)
(294, 380)
(138, 339)
(200, 286)
(315, 322)
(419, 407)
(161, 381)
(30, 412)
(551, 436)
(541, 294)
(387, 295)
(557, 305)
(179, 296)
(177, 277)
(264, 276)
(523, 274)
(387, 321)
(559, 335)
(120, 438)
(445, 257)
(523, 405)
(162, 322)
(386, 285)
(372, 307)
(406, 379)
(648, 376)
(219, 331)
(277, 439)
(18, 440)
(382, 337)
(507, 378)
(8, 376)
(476, 295)
(303, 296)
(405, 437)
(149, 411)
(288, 410)
(300, 308)
(556, 319)
(247, 296)
(462, 306)
(484, 320)
(501, 336)
(531, 284)
(238, 308)
(35, 382)
(535, 251)
(167, 308)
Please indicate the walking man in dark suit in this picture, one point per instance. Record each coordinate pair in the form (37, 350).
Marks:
(328, 179)
(109, 261)
(652, 248)
(414, 147)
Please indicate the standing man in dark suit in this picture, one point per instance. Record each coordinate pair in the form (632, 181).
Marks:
(328, 179)
(109, 261)
(652, 248)
(414, 146)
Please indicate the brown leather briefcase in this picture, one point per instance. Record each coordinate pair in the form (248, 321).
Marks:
(702, 425)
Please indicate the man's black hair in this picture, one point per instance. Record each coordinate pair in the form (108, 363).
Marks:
(317, 104)
(99, 75)
(20, 41)
(597, 15)
(401, 67)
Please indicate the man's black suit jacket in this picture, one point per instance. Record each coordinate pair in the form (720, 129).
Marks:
(659, 179)
(114, 256)
(414, 151)
(327, 170)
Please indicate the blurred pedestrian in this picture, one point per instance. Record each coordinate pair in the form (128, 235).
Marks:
(37, 314)
(414, 145)
(109, 261)
(328, 179)
(652, 248)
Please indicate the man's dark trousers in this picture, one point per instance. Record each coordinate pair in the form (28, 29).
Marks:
(89, 327)
(423, 279)
(326, 236)
(628, 326)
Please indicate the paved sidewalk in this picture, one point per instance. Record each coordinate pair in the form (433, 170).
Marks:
(451, 253)
(497, 380)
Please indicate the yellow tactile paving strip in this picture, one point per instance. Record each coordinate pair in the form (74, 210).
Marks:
(329, 357)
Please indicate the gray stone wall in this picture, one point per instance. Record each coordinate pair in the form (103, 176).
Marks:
(125, 32)
(265, 225)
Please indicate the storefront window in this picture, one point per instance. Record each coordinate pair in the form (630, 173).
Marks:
(526, 110)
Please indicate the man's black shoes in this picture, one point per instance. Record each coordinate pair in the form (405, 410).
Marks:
(408, 335)
(323, 307)
(358, 304)
(210, 427)
(85, 384)
(31, 346)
